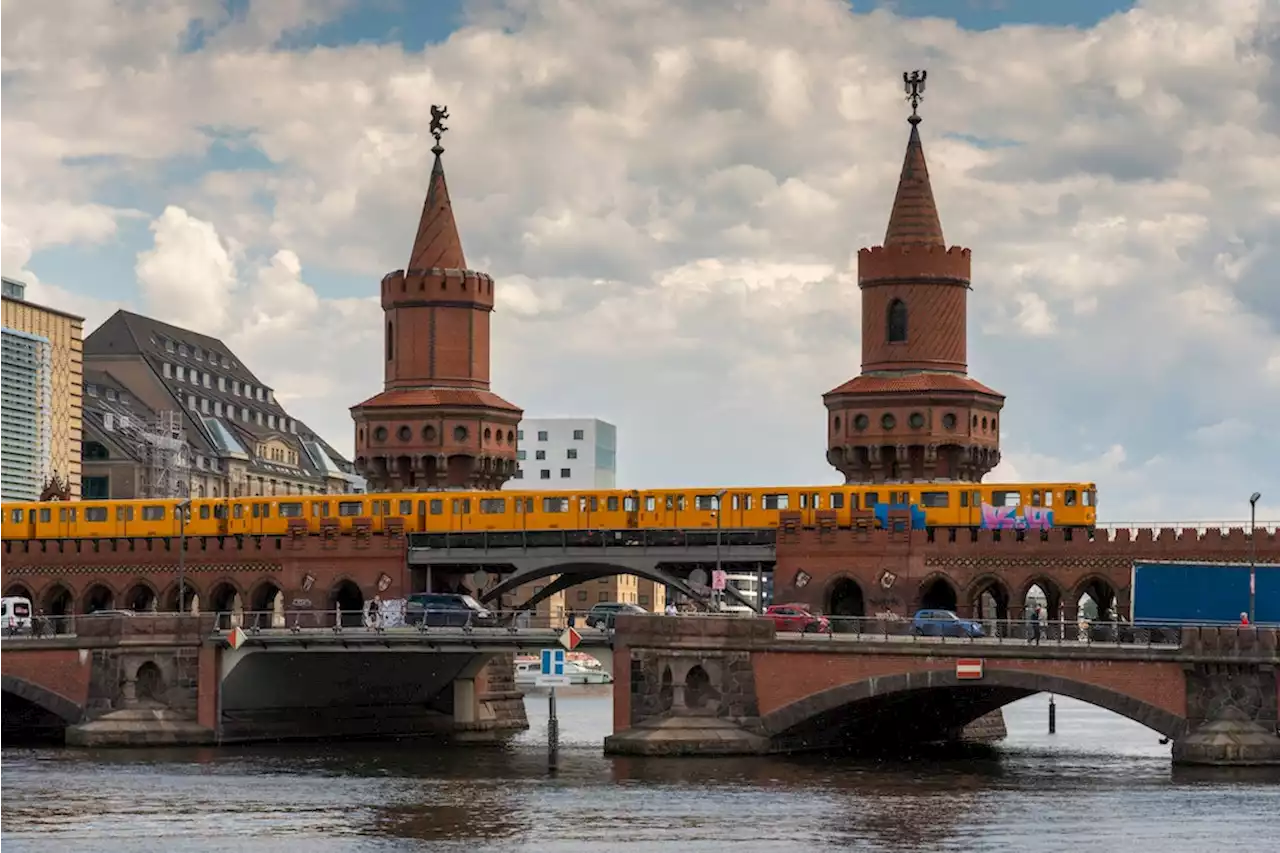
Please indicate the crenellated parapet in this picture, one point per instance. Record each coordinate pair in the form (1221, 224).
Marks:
(913, 263)
(437, 285)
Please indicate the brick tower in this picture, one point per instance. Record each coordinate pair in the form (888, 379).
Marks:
(913, 413)
(436, 424)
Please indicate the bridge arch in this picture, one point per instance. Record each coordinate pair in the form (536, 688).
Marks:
(575, 573)
(891, 696)
(141, 597)
(988, 598)
(20, 590)
(1101, 590)
(1053, 596)
(97, 597)
(844, 597)
(56, 704)
(937, 592)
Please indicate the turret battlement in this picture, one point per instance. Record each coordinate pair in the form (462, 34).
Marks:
(437, 284)
(913, 262)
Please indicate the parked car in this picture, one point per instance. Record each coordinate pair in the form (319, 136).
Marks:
(447, 610)
(602, 615)
(15, 614)
(944, 623)
(796, 618)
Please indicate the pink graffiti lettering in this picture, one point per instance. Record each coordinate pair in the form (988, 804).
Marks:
(1016, 517)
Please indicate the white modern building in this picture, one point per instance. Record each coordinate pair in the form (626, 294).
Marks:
(27, 431)
(566, 453)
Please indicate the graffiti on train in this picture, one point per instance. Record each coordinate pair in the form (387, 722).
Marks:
(1016, 517)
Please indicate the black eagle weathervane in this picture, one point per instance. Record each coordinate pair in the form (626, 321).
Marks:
(913, 83)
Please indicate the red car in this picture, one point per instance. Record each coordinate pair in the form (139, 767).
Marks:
(796, 618)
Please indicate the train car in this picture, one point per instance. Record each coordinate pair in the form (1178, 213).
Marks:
(1012, 506)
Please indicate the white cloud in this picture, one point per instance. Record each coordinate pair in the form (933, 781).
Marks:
(671, 197)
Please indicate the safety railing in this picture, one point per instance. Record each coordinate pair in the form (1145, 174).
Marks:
(1020, 632)
(624, 539)
(1260, 526)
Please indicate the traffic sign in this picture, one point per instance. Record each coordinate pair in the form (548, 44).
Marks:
(570, 639)
(719, 580)
(237, 637)
(968, 668)
(552, 662)
(552, 681)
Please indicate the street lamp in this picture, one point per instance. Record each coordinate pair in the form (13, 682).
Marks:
(1253, 555)
(182, 508)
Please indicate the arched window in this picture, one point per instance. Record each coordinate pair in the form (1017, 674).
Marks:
(391, 350)
(897, 321)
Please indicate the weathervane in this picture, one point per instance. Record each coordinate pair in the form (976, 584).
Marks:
(438, 115)
(914, 85)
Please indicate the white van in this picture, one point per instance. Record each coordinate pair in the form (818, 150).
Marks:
(15, 614)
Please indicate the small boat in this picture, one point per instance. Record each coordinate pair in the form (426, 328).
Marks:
(527, 673)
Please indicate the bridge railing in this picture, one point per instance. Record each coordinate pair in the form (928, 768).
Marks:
(631, 538)
(1260, 526)
(986, 631)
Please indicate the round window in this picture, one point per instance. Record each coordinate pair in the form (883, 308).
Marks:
(459, 433)
(404, 433)
(984, 423)
(916, 420)
(429, 433)
(949, 421)
(888, 421)
(488, 434)
(861, 422)
(380, 434)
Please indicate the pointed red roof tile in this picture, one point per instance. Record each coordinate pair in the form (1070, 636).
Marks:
(914, 220)
(437, 243)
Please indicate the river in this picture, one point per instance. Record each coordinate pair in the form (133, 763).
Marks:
(1102, 783)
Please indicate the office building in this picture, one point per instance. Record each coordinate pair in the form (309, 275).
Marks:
(566, 453)
(41, 426)
(173, 413)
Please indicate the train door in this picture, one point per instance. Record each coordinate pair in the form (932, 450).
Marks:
(809, 502)
(66, 522)
(460, 514)
(222, 517)
(31, 522)
(259, 516)
(588, 508)
(631, 506)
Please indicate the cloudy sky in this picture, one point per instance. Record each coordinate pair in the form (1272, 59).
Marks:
(671, 196)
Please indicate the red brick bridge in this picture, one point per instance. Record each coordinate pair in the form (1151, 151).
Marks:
(706, 685)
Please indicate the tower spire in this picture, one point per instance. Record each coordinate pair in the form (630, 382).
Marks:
(914, 219)
(437, 244)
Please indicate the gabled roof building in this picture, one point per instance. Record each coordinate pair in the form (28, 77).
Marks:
(173, 413)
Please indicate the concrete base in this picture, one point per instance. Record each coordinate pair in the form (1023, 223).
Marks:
(140, 727)
(1232, 741)
(686, 736)
(989, 728)
(367, 723)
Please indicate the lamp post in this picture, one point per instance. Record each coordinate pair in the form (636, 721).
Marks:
(1253, 555)
(182, 508)
(719, 594)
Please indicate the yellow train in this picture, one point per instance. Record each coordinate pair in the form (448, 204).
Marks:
(981, 505)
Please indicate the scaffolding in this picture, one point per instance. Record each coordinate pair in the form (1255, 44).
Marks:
(167, 456)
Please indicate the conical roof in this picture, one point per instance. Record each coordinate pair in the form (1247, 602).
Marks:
(437, 243)
(914, 220)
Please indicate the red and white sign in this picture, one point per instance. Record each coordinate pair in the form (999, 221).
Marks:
(570, 639)
(719, 580)
(968, 668)
(237, 637)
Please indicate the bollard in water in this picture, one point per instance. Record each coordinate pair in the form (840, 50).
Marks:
(1053, 717)
(553, 734)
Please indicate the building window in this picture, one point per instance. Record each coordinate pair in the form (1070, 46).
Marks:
(519, 473)
(539, 454)
(897, 322)
(520, 435)
(520, 455)
(578, 435)
(544, 474)
(391, 351)
(217, 408)
(168, 346)
(207, 380)
(542, 435)
(167, 370)
(191, 402)
(565, 473)
(204, 405)
(571, 453)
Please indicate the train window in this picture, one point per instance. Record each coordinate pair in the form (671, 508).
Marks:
(255, 510)
(350, 508)
(528, 504)
(872, 499)
(291, 509)
(595, 503)
(461, 506)
(382, 507)
(704, 502)
(837, 500)
(406, 507)
(95, 513)
(555, 504)
(964, 498)
(437, 506)
(1006, 498)
(1090, 499)
(936, 500)
(804, 500)
(630, 503)
(204, 512)
(67, 514)
(237, 511)
(492, 506)
(15, 516)
(650, 503)
(670, 502)
(775, 501)
(46, 516)
(1035, 497)
(611, 503)
(519, 506)
(679, 503)
(1048, 497)
(1070, 497)
(220, 511)
(266, 510)
(153, 513)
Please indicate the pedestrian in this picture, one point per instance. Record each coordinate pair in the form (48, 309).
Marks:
(1035, 625)
(671, 609)
(1244, 620)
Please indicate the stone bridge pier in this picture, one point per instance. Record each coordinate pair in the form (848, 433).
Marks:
(713, 686)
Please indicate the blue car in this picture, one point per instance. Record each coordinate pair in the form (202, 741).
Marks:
(944, 623)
